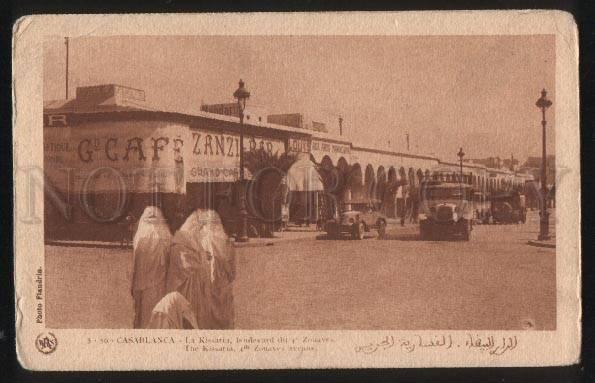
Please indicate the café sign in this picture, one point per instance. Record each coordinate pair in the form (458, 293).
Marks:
(143, 155)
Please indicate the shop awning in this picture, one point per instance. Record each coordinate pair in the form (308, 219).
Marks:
(303, 176)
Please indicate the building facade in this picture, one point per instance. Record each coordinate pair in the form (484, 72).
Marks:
(107, 157)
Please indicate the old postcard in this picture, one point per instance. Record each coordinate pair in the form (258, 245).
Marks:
(333, 190)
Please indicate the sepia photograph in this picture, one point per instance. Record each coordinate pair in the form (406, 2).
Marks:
(292, 195)
(384, 182)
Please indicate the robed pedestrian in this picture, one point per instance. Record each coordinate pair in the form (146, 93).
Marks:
(173, 311)
(202, 269)
(151, 246)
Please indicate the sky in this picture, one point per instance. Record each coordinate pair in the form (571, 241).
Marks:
(446, 92)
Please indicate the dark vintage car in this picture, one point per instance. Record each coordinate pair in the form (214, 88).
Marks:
(508, 207)
(446, 210)
(356, 219)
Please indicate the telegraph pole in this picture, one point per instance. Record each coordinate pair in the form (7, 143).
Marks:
(66, 77)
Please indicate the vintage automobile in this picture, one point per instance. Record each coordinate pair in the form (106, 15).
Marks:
(446, 210)
(481, 208)
(508, 207)
(355, 219)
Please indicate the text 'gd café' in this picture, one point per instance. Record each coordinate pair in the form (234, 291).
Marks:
(107, 156)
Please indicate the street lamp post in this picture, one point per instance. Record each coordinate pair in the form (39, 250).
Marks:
(543, 103)
(242, 94)
(461, 154)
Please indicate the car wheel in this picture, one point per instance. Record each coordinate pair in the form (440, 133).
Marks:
(333, 232)
(358, 231)
(381, 229)
(467, 232)
(424, 231)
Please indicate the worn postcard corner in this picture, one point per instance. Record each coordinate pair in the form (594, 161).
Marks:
(296, 190)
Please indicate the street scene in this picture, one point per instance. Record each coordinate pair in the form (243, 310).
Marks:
(308, 281)
(410, 184)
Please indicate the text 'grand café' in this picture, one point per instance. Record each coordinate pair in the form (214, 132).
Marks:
(107, 156)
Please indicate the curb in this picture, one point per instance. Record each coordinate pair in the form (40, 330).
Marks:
(252, 244)
(117, 246)
(541, 244)
(101, 245)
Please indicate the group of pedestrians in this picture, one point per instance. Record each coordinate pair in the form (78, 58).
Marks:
(183, 280)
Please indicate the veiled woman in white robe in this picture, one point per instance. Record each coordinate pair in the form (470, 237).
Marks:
(202, 269)
(151, 247)
(173, 312)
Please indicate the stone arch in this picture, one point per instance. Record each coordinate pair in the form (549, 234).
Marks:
(369, 182)
(392, 175)
(330, 175)
(411, 177)
(390, 193)
(342, 173)
(326, 163)
(402, 175)
(380, 183)
(355, 182)
(420, 176)
(343, 165)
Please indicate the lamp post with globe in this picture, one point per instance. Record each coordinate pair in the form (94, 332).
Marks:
(242, 94)
(543, 103)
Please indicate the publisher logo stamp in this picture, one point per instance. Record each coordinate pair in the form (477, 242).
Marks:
(46, 342)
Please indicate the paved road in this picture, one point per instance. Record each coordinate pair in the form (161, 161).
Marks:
(496, 281)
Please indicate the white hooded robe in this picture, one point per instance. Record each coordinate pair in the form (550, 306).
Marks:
(172, 312)
(202, 269)
(151, 247)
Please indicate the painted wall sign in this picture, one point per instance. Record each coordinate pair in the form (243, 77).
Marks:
(142, 155)
(319, 149)
(101, 157)
(215, 157)
(51, 120)
(328, 147)
(298, 145)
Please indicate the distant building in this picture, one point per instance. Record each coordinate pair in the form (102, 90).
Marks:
(533, 166)
(490, 162)
(535, 162)
(319, 127)
(227, 109)
(496, 162)
(252, 114)
(296, 120)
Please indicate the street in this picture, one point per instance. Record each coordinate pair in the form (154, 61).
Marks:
(495, 281)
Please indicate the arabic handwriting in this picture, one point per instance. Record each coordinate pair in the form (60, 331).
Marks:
(487, 343)
(368, 349)
(491, 345)
(435, 341)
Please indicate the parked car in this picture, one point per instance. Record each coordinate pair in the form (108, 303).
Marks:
(355, 219)
(446, 210)
(508, 207)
